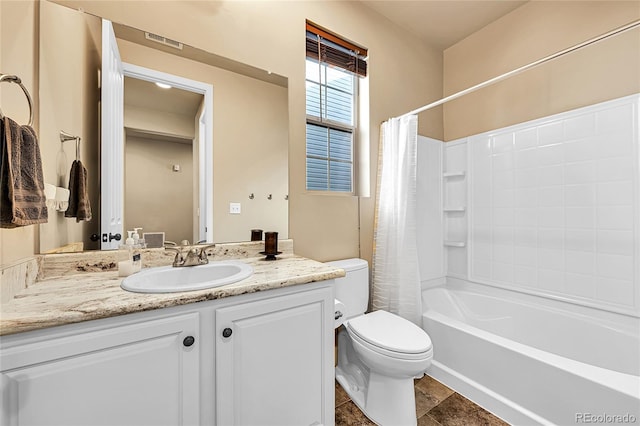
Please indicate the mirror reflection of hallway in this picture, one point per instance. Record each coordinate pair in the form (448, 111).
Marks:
(159, 174)
(161, 159)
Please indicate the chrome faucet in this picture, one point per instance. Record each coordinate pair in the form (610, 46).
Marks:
(191, 257)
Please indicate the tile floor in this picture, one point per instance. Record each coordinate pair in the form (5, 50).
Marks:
(436, 405)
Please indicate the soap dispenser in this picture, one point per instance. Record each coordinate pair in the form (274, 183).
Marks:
(136, 235)
(129, 241)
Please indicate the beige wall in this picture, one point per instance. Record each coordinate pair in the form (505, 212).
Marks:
(18, 55)
(69, 93)
(152, 186)
(270, 35)
(600, 72)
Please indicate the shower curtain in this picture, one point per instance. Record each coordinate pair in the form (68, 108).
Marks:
(395, 270)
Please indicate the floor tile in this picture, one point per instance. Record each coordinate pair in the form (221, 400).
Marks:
(427, 420)
(429, 393)
(436, 405)
(348, 414)
(434, 388)
(341, 395)
(424, 402)
(456, 410)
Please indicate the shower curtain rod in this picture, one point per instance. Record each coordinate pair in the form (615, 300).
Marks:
(501, 77)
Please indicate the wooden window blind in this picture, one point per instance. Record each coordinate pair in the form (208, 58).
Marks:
(334, 50)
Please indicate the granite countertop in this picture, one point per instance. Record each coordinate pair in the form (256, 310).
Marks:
(75, 298)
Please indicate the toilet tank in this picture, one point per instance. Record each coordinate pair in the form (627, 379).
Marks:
(353, 289)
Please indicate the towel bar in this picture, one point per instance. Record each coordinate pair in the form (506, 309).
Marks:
(64, 137)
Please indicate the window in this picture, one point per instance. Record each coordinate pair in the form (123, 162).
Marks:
(332, 69)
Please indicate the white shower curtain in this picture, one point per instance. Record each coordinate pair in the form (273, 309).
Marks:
(396, 279)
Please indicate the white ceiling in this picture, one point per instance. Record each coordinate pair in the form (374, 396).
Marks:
(144, 94)
(442, 23)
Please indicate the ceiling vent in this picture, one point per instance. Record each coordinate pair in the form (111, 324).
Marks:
(163, 40)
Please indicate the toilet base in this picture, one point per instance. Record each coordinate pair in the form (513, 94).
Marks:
(387, 401)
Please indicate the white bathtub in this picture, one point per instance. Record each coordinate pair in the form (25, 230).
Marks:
(532, 360)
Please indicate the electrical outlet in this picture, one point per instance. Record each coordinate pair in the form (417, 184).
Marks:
(234, 208)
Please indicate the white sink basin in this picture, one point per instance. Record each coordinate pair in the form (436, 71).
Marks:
(169, 279)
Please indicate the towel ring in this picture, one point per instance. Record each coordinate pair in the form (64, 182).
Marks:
(18, 81)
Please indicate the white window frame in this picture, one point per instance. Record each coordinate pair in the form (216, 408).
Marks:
(331, 124)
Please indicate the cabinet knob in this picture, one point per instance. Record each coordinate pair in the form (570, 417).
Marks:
(107, 238)
(227, 332)
(188, 341)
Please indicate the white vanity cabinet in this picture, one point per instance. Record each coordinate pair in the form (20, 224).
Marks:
(139, 373)
(272, 361)
(174, 366)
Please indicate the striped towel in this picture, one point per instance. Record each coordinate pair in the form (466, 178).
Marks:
(22, 199)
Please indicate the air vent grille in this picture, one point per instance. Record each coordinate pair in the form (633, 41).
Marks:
(163, 40)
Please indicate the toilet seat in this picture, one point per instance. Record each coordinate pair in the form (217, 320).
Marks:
(390, 335)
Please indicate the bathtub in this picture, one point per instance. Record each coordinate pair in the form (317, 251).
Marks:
(533, 360)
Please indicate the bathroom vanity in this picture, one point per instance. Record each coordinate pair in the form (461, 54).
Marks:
(256, 352)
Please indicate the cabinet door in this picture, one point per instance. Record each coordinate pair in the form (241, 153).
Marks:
(137, 374)
(276, 365)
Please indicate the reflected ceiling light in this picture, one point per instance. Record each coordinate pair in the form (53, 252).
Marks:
(163, 85)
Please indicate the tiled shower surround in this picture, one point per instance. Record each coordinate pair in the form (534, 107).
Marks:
(553, 206)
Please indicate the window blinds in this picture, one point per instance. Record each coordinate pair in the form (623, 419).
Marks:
(333, 50)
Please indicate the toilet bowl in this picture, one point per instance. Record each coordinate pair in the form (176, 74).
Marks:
(379, 353)
(391, 344)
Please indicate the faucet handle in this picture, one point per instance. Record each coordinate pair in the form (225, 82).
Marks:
(203, 251)
(179, 256)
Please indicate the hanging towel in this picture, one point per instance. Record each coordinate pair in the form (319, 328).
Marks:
(79, 206)
(22, 199)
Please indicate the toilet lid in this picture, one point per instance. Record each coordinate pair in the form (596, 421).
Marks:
(391, 332)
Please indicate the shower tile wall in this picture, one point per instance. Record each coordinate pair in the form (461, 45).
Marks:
(429, 221)
(553, 206)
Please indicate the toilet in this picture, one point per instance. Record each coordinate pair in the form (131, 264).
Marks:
(379, 353)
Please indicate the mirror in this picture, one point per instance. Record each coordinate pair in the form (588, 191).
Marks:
(250, 134)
